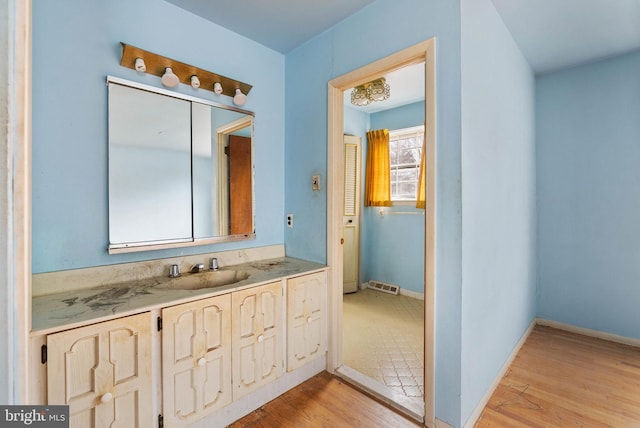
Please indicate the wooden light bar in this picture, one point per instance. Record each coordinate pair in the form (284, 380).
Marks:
(156, 65)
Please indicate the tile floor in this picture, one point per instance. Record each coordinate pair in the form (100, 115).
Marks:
(383, 339)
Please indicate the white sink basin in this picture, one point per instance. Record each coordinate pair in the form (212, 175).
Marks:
(208, 279)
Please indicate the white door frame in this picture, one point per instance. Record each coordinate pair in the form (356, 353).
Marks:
(15, 218)
(424, 51)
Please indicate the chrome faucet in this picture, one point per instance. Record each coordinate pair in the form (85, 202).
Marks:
(197, 268)
(174, 271)
(213, 264)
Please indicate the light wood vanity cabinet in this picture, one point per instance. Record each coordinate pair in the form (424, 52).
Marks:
(103, 372)
(256, 337)
(208, 354)
(306, 319)
(196, 359)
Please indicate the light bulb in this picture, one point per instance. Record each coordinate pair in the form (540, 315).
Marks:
(240, 98)
(217, 88)
(140, 65)
(195, 82)
(169, 79)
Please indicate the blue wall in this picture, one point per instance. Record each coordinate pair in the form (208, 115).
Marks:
(75, 46)
(498, 199)
(400, 117)
(588, 132)
(349, 45)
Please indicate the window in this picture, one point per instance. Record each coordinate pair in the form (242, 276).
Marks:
(405, 150)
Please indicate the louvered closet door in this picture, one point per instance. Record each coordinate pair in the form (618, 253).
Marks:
(351, 219)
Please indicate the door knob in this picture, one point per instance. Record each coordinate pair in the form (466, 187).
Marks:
(309, 320)
(341, 241)
(202, 361)
(261, 338)
(106, 397)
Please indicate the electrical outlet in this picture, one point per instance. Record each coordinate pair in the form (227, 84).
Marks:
(315, 182)
(289, 220)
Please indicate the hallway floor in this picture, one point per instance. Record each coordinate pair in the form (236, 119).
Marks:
(384, 339)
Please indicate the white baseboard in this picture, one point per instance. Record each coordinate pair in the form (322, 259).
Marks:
(588, 332)
(442, 424)
(505, 367)
(412, 294)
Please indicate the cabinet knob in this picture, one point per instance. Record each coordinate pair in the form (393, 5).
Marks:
(202, 361)
(106, 397)
(261, 338)
(309, 320)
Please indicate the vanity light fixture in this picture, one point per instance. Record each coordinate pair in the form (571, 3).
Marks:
(376, 90)
(175, 72)
(140, 65)
(240, 98)
(169, 79)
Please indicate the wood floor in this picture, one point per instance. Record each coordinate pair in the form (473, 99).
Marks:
(561, 379)
(558, 379)
(324, 401)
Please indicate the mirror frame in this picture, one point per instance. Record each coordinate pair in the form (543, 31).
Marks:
(220, 135)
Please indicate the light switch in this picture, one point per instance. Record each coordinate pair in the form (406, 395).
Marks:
(315, 182)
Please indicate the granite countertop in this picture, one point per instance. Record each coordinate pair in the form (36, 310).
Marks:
(54, 312)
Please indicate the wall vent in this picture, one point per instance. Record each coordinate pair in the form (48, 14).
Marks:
(384, 287)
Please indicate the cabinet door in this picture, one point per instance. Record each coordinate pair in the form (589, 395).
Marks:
(257, 337)
(196, 359)
(306, 320)
(103, 372)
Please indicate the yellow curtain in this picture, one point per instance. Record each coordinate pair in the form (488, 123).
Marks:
(422, 182)
(378, 174)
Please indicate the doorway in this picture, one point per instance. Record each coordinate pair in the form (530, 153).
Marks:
(422, 52)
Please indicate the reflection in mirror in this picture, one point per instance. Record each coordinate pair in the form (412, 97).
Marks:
(222, 172)
(180, 170)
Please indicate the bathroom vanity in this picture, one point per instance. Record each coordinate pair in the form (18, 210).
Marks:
(171, 352)
(138, 344)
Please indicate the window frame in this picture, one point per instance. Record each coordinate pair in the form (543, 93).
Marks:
(398, 134)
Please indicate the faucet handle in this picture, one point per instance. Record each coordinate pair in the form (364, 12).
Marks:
(197, 268)
(213, 264)
(174, 271)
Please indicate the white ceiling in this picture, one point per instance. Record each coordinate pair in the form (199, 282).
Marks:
(552, 34)
(555, 34)
(281, 25)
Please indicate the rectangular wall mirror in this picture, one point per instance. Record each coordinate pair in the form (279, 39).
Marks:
(180, 170)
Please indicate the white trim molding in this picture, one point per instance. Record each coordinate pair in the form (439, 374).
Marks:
(15, 205)
(496, 381)
(424, 52)
(591, 333)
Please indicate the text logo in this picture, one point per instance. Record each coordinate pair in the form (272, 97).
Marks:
(34, 416)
